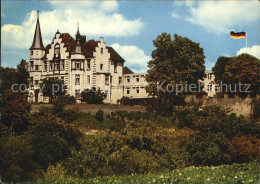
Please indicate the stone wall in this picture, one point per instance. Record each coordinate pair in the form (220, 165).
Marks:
(240, 106)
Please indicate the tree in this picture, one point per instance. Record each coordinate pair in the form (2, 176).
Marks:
(15, 111)
(22, 74)
(219, 67)
(10, 76)
(244, 70)
(175, 62)
(93, 96)
(52, 87)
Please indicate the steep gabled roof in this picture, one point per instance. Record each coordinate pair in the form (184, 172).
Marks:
(68, 41)
(114, 55)
(37, 40)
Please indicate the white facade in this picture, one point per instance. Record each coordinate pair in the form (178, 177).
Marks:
(79, 63)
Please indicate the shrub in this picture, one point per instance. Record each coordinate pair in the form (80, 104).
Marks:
(208, 149)
(66, 99)
(93, 96)
(244, 149)
(52, 140)
(126, 101)
(16, 159)
(99, 115)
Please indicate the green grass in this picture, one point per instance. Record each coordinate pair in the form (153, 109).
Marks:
(236, 173)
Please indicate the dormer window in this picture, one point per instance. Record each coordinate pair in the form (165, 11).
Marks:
(31, 53)
(57, 49)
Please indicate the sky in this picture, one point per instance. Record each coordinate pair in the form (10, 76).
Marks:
(131, 26)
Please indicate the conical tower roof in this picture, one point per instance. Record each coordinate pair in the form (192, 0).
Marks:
(37, 40)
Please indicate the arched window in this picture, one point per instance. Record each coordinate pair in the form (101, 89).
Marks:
(57, 49)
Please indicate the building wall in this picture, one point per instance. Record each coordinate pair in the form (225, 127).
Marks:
(134, 85)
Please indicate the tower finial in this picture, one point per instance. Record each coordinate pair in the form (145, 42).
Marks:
(37, 13)
(78, 26)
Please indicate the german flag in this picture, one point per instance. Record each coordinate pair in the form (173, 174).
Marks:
(237, 35)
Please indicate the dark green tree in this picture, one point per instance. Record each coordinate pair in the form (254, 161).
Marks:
(15, 111)
(52, 87)
(22, 74)
(219, 67)
(93, 96)
(175, 62)
(244, 70)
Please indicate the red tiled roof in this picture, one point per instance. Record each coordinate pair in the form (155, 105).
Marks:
(90, 47)
(68, 41)
(114, 55)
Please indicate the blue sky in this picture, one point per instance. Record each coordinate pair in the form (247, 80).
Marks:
(131, 26)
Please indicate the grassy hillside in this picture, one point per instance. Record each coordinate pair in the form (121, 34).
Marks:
(236, 173)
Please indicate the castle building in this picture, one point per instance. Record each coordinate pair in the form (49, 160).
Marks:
(79, 63)
(83, 64)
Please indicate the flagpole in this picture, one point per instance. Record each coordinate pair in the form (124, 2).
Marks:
(246, 42)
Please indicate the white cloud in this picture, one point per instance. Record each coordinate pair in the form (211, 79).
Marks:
(95, 19)
(254, 51)
(175, 15)
(135, 57)
(223, 16)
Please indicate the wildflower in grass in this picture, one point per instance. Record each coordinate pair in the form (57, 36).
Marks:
(188, 178)
(235, 177)
(250, 180)
(161, 176)
(154, 180)
(208, 179)
(224, 176)
(180, 174)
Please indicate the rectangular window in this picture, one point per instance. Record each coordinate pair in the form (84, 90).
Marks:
(57, 67)
(119, 80)
(36, 82)
(36, 67)
(106, 81)
(209, 76)
(88, 79)
(77, 79)
(62, 65)
(50, 66)
(31, 52)
(101, 51)
(31, 65)
(77, 93)
(137, 90)
(101, 66)
(88, 65)
(77, 65)
(128, 79)
(115, 67)
(128, 91)
(209, 87)
(37, 52)
(137, 79)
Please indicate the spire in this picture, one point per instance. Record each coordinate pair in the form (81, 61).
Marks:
(78, 29)
(37, 40)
